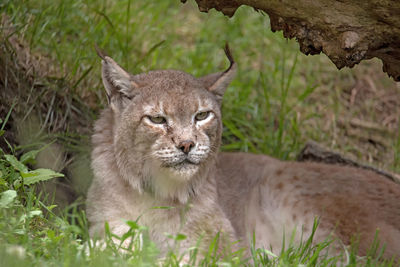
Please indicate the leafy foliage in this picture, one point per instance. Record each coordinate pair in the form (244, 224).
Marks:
(15, 174)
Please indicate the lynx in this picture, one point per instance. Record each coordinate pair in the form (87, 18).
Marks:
(157, 144)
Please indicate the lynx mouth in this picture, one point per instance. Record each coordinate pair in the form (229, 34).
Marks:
(181, 164)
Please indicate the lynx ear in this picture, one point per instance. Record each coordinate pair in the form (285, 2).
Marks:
(218, 82)
(119, 84)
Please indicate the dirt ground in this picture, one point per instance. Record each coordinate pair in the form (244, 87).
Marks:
(359, 112)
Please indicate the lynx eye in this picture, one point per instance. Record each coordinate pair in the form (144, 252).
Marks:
(202, 115)
(157, 119)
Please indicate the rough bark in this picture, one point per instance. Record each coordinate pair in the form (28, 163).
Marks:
(347, 31)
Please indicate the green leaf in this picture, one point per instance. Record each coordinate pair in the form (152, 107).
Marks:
(180, 237)
(39, 175)
(7, 197)
(29, 157)
(51, 207)
(132, 225)
(162, 208)
(15, 163)
(177, 237)
(34, 213)
(17, 183)
(30, 214)
(2, 181)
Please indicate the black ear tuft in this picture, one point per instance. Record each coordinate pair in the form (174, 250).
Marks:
(218, 82)
(100, 52)
(229, 56)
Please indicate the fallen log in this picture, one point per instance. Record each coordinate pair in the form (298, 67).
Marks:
(347, 31)
(312, 151)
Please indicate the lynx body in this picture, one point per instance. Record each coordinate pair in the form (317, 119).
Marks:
(157, 145)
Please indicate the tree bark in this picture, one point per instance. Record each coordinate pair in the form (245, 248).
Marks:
(347, 31)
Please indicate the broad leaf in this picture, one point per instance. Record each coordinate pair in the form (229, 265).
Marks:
(39, 175)
(7, 197)
(28, 157)
(15, 163)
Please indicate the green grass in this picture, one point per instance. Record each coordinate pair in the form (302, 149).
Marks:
(275, 104)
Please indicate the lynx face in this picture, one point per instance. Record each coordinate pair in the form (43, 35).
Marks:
(173, 137)
(167, 126)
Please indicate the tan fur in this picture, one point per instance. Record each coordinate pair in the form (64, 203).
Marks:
(138, 165)
(276, 197)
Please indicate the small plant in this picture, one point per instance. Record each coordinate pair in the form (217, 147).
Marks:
(22, 219)
(15, 173)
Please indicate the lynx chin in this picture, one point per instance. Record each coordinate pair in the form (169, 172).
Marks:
(157, 144)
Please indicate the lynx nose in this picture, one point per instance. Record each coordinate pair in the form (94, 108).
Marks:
(186, 146)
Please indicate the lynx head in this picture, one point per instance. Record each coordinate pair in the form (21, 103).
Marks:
(167, 126)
